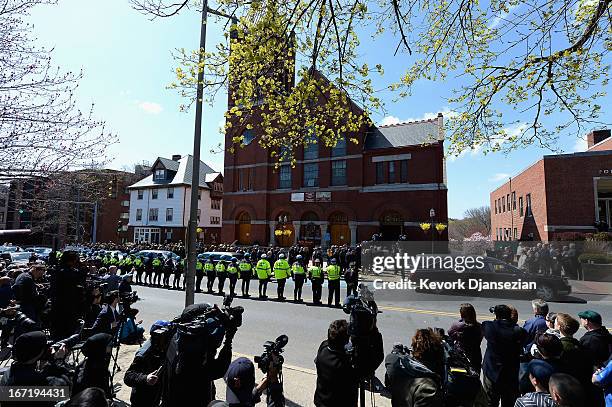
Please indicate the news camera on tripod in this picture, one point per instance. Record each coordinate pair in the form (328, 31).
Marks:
(193, 358)
(347, 360)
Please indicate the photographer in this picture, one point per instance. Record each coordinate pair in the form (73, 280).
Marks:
(192, 361)
(108, 318)
(241, 390)
(28, 350)
(416, 379)
(94, 306)
(125, 286)
(93, 371)
(338, 373)
(30, 301)
(67, 293)
(502, 357)
(144, 372)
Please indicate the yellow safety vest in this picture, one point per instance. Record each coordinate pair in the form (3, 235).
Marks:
(281, 269)
(220, 268)
(315, 272)
(209, 266)
(297, 268)
(333, 272)
(263, 269)
(232, 269)
(244, 266)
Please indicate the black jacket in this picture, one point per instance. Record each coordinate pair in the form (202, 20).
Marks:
(598, 342)
(502, 356)
(105, 319)
(468, 338)
(146, 361)
(26, 375)
(337, 378)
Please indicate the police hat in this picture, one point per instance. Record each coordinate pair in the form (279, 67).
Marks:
(333, 261)
(281, 256)
(243, 370)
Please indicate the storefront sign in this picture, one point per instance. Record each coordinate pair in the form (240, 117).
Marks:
(324, 196)
(309, 196)
(297, 197)
(605, 171)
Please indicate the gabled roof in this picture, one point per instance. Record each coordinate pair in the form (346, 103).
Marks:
(182, 176)
(404, 134)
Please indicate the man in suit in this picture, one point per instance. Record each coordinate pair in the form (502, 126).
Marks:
(108, 318)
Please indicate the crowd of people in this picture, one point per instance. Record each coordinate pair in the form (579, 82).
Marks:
(81, 304)
(549, 258)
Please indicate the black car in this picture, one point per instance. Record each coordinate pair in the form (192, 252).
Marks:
(216, 256)
(489, 275)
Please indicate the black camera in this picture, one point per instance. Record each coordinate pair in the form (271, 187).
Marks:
(362, 310)
(400, 349)
(128, 298)
(272, 352)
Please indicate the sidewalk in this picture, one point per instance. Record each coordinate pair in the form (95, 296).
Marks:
(591, 287)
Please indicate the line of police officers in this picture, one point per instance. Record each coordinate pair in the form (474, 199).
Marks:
(157, 271)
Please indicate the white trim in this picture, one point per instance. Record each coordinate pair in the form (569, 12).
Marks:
(393, 157)
(396, 187)
(554, 228)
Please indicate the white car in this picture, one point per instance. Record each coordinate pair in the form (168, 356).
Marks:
(21, 257)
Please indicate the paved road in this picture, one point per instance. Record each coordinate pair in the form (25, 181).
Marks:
(306, 325)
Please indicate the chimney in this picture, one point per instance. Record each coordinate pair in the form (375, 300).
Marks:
(597, 136)
(176, 157)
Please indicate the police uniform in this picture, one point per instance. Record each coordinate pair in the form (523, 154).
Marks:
(139, 265)
(232, 275)
(178, 271)
(221, 275)
(299, 275)
(148, 271)
(246, 272)
(316, 278)
(263, 275)
(158, 267)
(168, 270)
(281, 272)
(333, 283)
(209, 267)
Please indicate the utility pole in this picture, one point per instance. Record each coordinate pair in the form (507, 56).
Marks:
(195, 173)
(195, 177)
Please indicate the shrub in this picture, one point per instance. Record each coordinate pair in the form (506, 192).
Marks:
(570, 236)
(596, 258)
(601, 237)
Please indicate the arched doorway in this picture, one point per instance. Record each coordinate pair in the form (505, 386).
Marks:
(391, 225)
(284, 232)
(310, 231)
(339, 230)
(244, 228)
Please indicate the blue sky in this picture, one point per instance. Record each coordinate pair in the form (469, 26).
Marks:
(127, 64)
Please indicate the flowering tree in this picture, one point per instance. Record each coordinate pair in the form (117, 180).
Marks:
(41, 128)
(537, 57)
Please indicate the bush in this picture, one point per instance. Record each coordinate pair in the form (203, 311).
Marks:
(596, 258)
(570, 236)
(601, 237)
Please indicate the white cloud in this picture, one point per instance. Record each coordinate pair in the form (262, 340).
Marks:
(388, 120)
(150, 107)
(501, 17)
(499, 176)
(580, 145)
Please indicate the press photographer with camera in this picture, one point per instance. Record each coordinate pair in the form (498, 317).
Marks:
(143, 375)
(242, 391)
(27, 292)
(29, 349)
(94, 370)
(193, 360)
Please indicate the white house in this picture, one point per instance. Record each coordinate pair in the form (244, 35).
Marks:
(159, 203)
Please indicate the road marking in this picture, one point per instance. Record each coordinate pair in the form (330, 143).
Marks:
(285, 366)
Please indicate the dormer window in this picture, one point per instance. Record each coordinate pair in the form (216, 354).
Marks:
(159, 175)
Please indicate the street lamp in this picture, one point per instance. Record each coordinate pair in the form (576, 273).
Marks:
(432, 215)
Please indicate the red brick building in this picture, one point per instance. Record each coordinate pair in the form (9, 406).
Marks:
(387, 183)
(557, 194)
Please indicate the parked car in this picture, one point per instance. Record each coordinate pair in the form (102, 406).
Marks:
(155, 253)
(547, 287)
(216, 256)
(21, 257)
(10, 249)
(41, 252)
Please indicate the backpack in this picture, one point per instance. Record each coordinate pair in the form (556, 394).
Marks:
(462, 382)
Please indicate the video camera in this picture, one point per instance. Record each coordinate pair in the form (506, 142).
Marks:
(362, 310)
(272, 352)
(128, 298)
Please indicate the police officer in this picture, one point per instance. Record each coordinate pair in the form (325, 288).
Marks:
(178, 271)
(139, 266)
(246, 273)
(333, 282)
(209, 267)
(351, 277)
(221, 275)
(158, 267)
(299, 275)
(264, 273)
(281, 272)
(232, 275)
(168, 270)
(148, 270)
(316, 278)
(126, 264)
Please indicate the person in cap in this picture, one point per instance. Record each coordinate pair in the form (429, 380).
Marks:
(299, 276)
(168, 270)
(597, 340)
(333, 283)
(246, 272)
(281, 272)
(143, 374)
(28, 349)
(242, 391)
(502, 357)
(315, 273)
(125, 286)
(209, 267)
(93, 371)
(539, 374)
(264, 272)
(232, 275)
